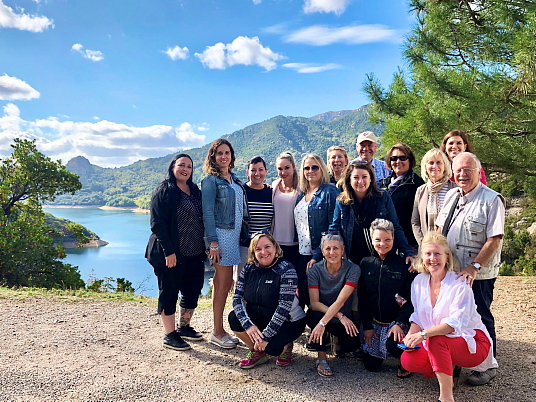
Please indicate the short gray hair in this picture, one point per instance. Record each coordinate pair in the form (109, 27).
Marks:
(473, 156)
(382, 224)
(329, 237)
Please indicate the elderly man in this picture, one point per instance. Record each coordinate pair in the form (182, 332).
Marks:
(472, 219)
(366, 146)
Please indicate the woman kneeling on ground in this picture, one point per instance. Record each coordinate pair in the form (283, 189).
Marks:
(445, 326)
(267, 316)
(332, 282)
(384, 299)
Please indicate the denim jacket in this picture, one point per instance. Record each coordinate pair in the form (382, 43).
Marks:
(321, 209)
(344, 219)
(219, 205)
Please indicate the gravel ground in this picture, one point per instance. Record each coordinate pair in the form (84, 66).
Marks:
(64, 349)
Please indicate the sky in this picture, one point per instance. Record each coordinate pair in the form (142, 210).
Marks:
(119, 81)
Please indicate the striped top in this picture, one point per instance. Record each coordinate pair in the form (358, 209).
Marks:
(261, 209)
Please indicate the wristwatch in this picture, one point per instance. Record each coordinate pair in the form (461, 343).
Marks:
(321, 323)
(423, 334)
(476, 265)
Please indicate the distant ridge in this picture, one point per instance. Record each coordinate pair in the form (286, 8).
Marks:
(132, 185)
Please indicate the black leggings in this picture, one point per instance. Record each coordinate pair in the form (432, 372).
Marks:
(372, 363)
(289, 331)
(187, 277)
(334, 327)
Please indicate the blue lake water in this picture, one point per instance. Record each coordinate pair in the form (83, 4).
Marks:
(127, 232)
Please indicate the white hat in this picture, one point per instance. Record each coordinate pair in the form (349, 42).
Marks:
(367, 136)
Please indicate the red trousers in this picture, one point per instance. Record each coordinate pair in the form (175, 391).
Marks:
(444, 352)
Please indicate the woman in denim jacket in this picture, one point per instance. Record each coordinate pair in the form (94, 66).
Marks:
(224, 208)
(359, 203)
(313, 214)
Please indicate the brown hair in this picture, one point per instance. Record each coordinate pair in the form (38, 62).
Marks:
(255, 241)
(457, 133)
(209, 166)
(402, 148)
(347, 195)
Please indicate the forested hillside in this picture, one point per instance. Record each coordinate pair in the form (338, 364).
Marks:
(132, 185)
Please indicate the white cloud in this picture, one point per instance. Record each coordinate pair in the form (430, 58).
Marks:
(257, 2)
(177, 52)
(235, 124)
(24, 22)
(96, 118)
(243, 50)
(307, 68)
(12, 88)
(93, 55)
(276, 29)
(104, 143)
(321, 35)
(325, 6)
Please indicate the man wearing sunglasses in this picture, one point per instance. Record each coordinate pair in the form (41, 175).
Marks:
(366, 146)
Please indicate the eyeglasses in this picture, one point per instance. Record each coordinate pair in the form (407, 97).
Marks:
(314, 168)
(402, 158)
(466, 171)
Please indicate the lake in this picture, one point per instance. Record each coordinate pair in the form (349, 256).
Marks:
(127, 232)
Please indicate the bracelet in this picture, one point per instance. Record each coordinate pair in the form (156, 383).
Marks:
(214, 248)
(321, 323)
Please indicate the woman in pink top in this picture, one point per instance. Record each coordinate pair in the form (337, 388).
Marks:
(445, 326)
(285, 190)
(456, 142)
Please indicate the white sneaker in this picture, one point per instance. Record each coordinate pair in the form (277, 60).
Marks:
(233, 339)
(224, 342)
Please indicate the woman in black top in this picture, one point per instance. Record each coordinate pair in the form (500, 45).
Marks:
(176, 249)
(384, 298)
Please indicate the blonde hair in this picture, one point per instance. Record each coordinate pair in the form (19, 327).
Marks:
(288, 156)
(303, 182)
(440, 240)
(330, 151)
(255, 241)
(431, 154)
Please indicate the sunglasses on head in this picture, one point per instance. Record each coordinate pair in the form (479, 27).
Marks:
(314, 168)
(402, 158)
(260, 232)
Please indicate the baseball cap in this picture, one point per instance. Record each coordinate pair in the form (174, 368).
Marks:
(367, 136)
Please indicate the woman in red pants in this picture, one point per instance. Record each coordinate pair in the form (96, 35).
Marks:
(445, 326)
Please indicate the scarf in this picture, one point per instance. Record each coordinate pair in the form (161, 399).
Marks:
(433, 206)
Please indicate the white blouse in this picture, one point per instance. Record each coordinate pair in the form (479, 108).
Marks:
(301, 218)
(455, 307)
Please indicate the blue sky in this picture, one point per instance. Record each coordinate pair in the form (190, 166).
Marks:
(118, 81)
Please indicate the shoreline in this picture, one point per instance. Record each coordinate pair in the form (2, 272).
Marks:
(136, 210)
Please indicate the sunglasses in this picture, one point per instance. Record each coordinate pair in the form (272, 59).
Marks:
(331, 232)
(260, 232)
(314, 168)
(402, 158)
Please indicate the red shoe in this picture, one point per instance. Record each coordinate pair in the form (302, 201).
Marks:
(285, 358)
(253, 359)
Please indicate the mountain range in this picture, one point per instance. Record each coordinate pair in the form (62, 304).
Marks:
(132, 185)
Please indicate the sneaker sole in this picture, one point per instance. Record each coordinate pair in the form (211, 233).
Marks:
(190, 338)
(262, 360)
(278, 364)
(176, 348)
(223, 346)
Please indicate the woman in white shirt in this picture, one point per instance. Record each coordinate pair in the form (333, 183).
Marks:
(445, 326)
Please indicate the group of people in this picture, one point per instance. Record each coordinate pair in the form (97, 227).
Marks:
(337, 247)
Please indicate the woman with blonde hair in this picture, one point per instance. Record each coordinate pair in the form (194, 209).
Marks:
(429, 198)
(337, 160)
(313, 214)
(266, 316)
(224, 208)
(285, 191)
(453, 335)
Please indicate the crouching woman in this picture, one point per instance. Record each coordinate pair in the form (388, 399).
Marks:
(266, 314)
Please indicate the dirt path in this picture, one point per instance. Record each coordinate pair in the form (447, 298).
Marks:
(67, 349)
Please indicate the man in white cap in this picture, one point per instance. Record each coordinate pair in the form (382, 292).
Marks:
(366, 146)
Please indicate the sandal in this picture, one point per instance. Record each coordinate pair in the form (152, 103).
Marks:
(326, 370)
(403, 373)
